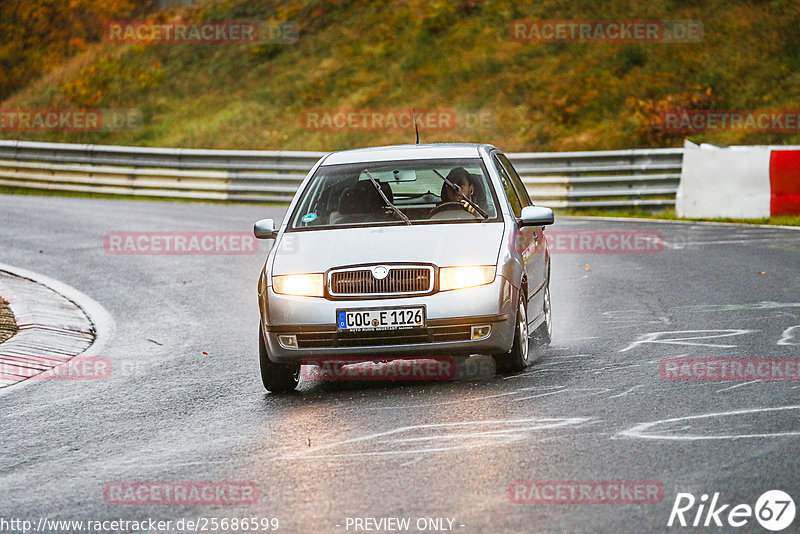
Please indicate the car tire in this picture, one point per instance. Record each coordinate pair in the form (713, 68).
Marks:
(516, 359)
(543, 334)
(276, 377)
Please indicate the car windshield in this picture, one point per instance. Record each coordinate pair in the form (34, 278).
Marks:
(344, 195)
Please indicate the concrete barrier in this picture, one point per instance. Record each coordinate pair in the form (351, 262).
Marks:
(744, 182)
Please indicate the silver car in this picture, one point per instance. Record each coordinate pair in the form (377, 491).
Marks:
(405, 252)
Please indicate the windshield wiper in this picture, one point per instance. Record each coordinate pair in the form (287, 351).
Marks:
(457, 189)
(386, 201)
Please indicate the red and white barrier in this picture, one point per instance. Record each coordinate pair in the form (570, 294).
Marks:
(743, 182)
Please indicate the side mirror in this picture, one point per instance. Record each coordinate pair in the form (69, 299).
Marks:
(536, 216)
(265, 229)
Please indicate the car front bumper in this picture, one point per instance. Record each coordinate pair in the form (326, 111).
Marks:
(450, 318)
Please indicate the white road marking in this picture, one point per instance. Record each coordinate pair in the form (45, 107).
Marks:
(543, 394)
(772, 317)
(549, 370)
(744, 241)
(456, 435)
(520, 429)
(512, 377)
(599, 370)
(570, 357)
(790, 336)
(596, 391)
(411, 462)
(655, 337)
(633, 316)
(631, 324)
(445, 403)
(641, 430)
(764, 305)
(737, 386)
(625, 393)
(550, 364)
(693, 225)
(576, 279)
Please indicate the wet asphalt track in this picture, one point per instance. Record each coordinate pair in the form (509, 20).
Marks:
(338, 450)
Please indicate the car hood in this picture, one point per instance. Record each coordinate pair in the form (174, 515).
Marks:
(440, 244)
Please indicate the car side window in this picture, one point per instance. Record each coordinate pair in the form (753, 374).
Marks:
(508, 186)
(516, 180)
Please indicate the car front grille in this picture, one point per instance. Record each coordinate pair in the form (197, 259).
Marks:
(400, 280)
(434, 334)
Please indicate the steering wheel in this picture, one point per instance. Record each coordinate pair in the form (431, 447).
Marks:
(445, 206)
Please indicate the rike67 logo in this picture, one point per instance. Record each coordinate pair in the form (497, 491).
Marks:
(774, 510)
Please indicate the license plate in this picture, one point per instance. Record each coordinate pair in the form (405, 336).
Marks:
(381, 319)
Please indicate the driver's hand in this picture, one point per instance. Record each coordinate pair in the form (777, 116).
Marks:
(468, 206)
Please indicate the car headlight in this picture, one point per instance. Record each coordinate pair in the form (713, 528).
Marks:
(467, 276)
(305, 285)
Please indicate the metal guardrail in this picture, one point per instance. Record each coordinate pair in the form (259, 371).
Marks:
(615, 178)
(602, 179)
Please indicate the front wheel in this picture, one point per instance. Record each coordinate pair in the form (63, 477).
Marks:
(276, 377)
(516, 359)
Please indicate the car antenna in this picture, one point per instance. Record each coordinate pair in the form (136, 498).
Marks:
(416, 128)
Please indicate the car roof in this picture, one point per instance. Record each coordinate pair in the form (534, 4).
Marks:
(407, 152)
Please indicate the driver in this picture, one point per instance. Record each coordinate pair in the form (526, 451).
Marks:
(460, 177)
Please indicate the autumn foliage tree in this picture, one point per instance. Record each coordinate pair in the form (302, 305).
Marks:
(37, 35)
